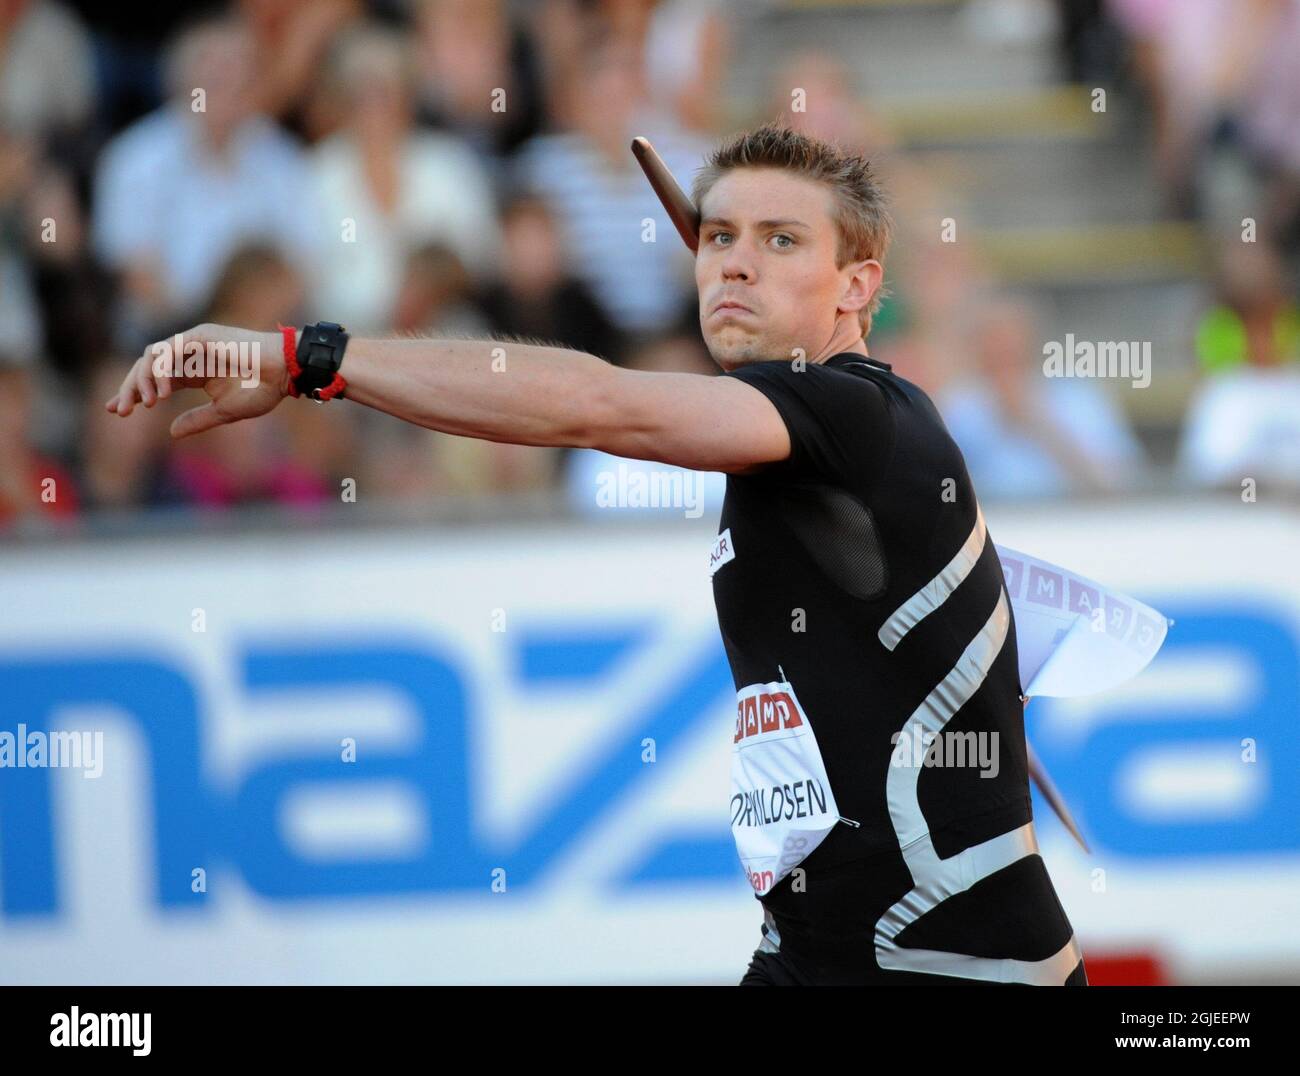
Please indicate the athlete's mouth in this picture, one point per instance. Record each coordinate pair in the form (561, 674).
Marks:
(731, 304)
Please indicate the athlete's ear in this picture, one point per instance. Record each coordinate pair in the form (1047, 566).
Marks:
(861, 281)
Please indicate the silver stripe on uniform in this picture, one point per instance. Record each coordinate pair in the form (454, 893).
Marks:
(771, 942)
(937, 591)
(934, 880)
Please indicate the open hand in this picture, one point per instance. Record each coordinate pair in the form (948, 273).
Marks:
(243, 373)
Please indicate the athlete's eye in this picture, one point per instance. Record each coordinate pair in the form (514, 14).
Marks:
(782, 235)
(714, 235)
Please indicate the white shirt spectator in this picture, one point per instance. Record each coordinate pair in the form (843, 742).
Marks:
(445, 195)
(1003, 461)
(640, 285)
(1244, 424)
(162, 195)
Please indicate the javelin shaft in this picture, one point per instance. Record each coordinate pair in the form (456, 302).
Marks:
(681, 211)
(1053, 797)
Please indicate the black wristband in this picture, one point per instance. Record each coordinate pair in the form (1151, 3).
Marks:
(320, 354)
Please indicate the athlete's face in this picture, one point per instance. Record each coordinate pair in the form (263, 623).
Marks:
(768, 243)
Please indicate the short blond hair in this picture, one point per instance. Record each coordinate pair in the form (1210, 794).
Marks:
(862, 220)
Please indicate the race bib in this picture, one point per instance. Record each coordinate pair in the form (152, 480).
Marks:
(781, 801)
(723, 552)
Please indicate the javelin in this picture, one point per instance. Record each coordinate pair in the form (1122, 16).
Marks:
(680, 209)
(683, 214)
(1052, 796)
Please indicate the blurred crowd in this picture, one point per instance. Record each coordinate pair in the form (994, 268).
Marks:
(1221, 83)
(461, 167)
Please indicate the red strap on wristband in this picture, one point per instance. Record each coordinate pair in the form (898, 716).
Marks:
(290, 335)
(334, 388)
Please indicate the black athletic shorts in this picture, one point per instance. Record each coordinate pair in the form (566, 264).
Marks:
(825, 936)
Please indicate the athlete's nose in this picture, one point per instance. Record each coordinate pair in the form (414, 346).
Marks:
(736, 264)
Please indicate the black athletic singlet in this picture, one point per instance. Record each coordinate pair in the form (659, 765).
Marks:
(880, 794)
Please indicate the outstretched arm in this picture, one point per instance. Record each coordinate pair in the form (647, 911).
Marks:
(502, 391)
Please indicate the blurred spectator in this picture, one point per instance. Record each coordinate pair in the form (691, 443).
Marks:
(604, 486)
(434, 296)
(178, 191)
(20, 322)
(409, 462)
(1024, 434)
(385, 187)
(121, 463)
(75, 292)
(128, 41)
(625, 22)
(469, 465)
(599, 195)
(1244, 422)
(399, 462)
(478, 74)
(290, 456)
(403, 462)
(940, 287)
(1272, 121)
(47, 75)
(831, 106)
(259, 288)
(1253, 320)
(687, 49)
(559, 28)
(1009, 23)
(21, 332)
(1090, 43)
(291, 43)
(19, 159)
(30, 211)
(34, 487)
(536, 295)
(1225, 91)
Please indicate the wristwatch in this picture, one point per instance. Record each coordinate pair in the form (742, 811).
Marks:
(320, 354)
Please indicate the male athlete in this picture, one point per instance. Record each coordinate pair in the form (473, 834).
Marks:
(859, 594)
